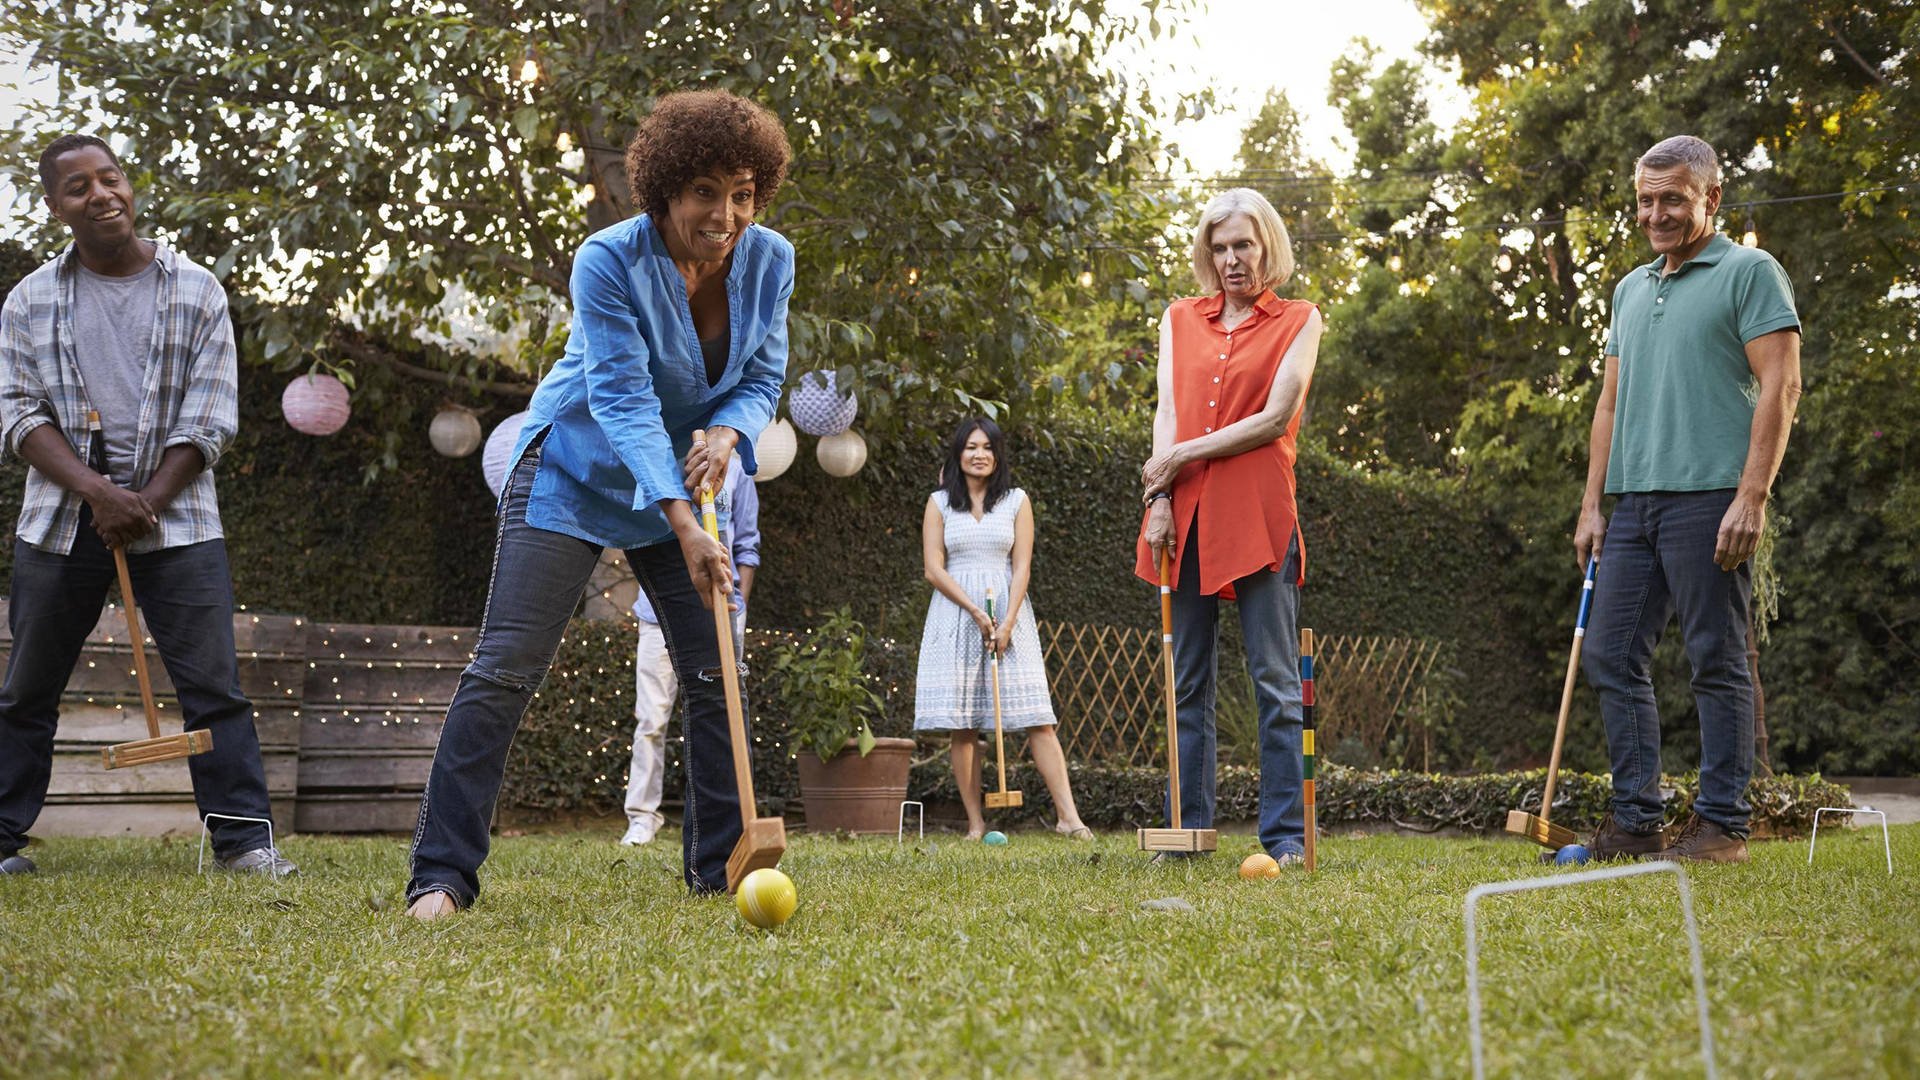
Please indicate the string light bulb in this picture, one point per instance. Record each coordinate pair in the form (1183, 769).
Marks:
(529, 70)
(1086, 278)
(1751, 238)
(1504, 262)
(913, 275)
(1395, 263)
(564, 143)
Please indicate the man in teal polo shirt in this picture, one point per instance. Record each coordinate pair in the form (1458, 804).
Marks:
(1702, 377)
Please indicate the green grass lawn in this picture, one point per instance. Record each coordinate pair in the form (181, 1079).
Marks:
(952, 959)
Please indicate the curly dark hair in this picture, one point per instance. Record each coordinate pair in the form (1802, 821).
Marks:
(696, 132)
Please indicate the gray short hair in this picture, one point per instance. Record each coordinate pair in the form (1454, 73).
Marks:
(1275, 246)
(1693, 152)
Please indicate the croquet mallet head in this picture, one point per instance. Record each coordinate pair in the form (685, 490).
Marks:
(164, 748)
(761, 844)
(1540, 830)
(1179, 839)
(999, 799)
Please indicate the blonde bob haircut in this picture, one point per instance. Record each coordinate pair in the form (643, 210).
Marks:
(1275, 246)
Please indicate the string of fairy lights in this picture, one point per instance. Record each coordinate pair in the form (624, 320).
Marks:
(405, 648)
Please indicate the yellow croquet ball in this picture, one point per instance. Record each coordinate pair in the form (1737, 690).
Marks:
(1259, 865)
(766, 898)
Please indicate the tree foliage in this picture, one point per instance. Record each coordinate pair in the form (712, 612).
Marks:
(366, 177)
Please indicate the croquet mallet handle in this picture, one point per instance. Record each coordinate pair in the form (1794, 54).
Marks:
(97, 460)
(999, 741)
(1566, 690)
(1166, 657)
(729, 671)
(133, 636)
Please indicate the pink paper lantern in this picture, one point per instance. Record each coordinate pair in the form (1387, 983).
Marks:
(316, 404)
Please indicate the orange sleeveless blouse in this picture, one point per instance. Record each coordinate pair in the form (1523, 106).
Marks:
(1244, 504)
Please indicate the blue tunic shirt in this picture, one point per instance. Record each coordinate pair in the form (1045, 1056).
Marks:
(621, 407)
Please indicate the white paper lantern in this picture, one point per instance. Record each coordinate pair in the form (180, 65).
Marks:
(817, 409)
(775, 450)
(493, 461)
(843, 454)
(316, 404)
(455, 432)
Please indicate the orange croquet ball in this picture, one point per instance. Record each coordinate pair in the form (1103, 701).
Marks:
(1259, 865)
(766, 898)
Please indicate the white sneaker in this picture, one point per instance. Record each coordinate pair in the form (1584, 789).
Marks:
(638, 833)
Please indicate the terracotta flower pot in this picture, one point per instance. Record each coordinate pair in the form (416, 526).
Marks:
(856, 794)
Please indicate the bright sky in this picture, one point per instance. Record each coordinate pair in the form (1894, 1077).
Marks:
(1247, 47)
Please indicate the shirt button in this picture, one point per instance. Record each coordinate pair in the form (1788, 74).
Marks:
(1223, 356)
(1209, 429)
(1661, 300)
(1216, 378)
(1211, 404)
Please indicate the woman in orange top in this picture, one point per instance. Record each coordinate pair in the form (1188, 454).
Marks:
(1234, 369)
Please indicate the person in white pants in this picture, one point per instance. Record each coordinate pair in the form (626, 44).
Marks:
(655, 687)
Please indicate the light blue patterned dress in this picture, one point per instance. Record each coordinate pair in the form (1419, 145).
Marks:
(955, 687)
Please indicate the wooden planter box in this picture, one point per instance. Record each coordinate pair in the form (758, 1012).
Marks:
(859, 795)
(102, 707)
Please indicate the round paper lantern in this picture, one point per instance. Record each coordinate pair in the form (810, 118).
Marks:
(842, 454)
(316, 404)
(817, 409)
(455, 432)
(775, 450)
(493, 461)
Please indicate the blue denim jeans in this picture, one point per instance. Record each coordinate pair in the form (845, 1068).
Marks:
(1658, 560)
(1269, 608)
(538, 579)
(186, 595)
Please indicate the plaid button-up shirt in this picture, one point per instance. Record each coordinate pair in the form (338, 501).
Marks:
(190, 396)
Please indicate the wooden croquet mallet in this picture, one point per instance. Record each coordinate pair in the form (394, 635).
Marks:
(762, 839)
(1175, 838)
(1312, 814)
(155, 747)
(1003, 797)
(1536, 827)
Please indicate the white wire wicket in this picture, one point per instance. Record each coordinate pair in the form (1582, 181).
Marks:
(920, 810)
(200, 866)
(1886, 841)
(1585, 877)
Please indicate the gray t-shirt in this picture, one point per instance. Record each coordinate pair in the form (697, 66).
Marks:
(113, 323)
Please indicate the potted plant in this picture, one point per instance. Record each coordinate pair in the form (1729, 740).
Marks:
(849, 779)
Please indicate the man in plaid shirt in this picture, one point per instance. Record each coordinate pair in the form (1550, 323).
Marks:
(125, 327)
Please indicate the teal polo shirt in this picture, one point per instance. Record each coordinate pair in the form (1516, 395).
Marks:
(1683, 411)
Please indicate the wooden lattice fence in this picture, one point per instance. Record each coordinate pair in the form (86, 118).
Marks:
(1108, 694)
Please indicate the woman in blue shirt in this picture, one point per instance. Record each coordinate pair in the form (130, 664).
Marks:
(679, 327)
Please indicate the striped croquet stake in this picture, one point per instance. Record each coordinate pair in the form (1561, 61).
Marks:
(1306, 737)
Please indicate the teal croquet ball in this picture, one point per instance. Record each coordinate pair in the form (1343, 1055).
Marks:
(996, 838)
(1571, 855)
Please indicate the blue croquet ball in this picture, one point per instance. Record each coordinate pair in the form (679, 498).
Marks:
(996, 838)
(1572, 854)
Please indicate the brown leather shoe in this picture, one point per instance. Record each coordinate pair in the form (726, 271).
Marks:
(1700, 840)
(1610, 841)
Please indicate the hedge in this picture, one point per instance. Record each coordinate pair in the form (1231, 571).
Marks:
(1427, 802)
(573, 750)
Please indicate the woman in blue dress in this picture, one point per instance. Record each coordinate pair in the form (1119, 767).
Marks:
(679, 328)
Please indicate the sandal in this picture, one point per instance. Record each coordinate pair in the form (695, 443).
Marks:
(1078, 832)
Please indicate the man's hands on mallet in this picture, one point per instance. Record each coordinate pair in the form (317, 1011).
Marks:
(120, 516)
(1588, 533)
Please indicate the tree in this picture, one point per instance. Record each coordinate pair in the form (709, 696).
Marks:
(346, 170)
